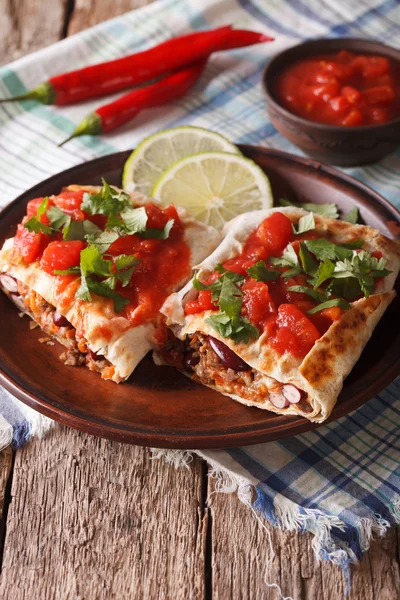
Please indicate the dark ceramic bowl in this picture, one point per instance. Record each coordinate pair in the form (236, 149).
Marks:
(335, 144)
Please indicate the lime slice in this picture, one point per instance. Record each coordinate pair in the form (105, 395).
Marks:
(158, 152)
(214, 187)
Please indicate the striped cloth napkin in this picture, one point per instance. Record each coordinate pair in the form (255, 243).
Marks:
(341, 481)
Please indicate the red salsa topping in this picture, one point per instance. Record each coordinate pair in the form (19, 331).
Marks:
(160, 258)
(276, 285)
(341, 89)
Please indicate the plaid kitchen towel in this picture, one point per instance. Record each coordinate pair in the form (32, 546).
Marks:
(341, 481)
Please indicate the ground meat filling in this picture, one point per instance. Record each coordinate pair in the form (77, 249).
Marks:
(56, 326)
(195, 355)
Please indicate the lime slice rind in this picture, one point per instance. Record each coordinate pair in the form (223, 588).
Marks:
(156, 153)
(214, 187)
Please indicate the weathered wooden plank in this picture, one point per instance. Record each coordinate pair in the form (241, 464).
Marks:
(5, 473)
(90, 12)
(240, 550)
(27, 25)
(5, 469)
(91, 518)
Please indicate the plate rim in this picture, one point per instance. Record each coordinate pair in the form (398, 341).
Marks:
(146, 436)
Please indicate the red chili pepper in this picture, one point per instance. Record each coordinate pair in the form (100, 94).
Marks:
(124, 109)
(115, 75)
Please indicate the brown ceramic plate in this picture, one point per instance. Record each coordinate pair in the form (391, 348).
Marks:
(158, 406)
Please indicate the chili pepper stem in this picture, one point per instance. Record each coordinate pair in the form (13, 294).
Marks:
(44, 93)
(90, 125)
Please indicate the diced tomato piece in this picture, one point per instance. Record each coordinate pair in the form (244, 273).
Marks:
(351, 94)
(345, 56)
(156, 218)
(339, 71)
(377, 254)
(371, 67)
(257, 302)
(275, 232)
(325, 78)
(70, 203)
(380, 115)
(296, 333)
(61, 256)
(340, 104)
(203, 303)
(240, 265)
(324, 319)
(29, 244)
(326, 91)
(33, 206)
(353, 119)
(382, 94)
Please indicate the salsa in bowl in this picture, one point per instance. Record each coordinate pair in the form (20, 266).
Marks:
(337, 99)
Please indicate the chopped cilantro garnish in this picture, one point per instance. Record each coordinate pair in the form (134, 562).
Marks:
(352, 216)
(259, 272)
(161, 234)
(33, 224)
(327, 210)
(108, 201)
(42, 207)
(94, 265)
(308, 263)
(80, 230)
(329, 304)
(302, 289)
(104, 240)
(226, 292)
(58, 219)
(306, 223)
(289, 258)
(134, 220)
(363, 267)
(325, 272)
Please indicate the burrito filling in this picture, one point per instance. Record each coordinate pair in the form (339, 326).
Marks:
(210, 362)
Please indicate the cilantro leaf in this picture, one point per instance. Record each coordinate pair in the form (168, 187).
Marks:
(70, 271)
(98, 287)
(322, 248)
(329, 304)
(327, 209)
(34, 225)
(352, 216)
(347, 288)
(230, 298)
(103, 241)
(134, 220)
(302, 289)
(161, 234)
(58, 218)
(81, 230)
(42, 207)
(125, 276)
(108, 201)
(309, 264)
(259, 272)
(325, 271)
(123, 261)
(93, 262)
(239, 330)
(82, 293)
(289, 258)
(306, 223)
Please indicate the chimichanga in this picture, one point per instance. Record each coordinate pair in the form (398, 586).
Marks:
(92, 266)
(277, 316)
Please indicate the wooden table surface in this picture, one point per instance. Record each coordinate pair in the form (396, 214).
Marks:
(86, 519)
